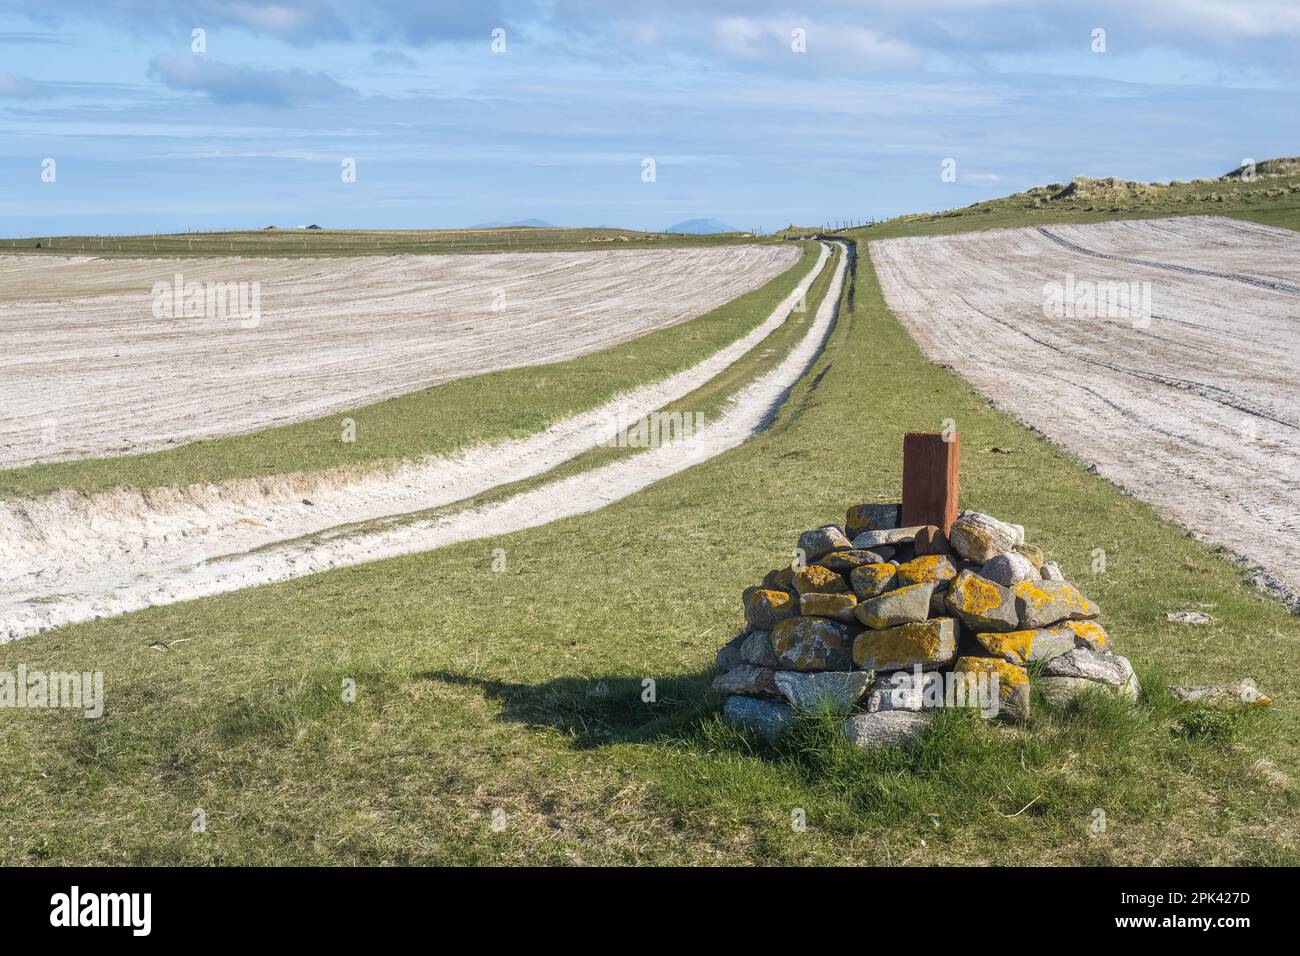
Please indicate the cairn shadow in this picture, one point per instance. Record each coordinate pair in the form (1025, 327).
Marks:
(599, 711)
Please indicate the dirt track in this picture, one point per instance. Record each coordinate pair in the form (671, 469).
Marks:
(68, 557)
(86, 369)
(1197, 413)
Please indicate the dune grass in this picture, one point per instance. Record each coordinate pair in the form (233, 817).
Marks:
(495, 407)
(502, 717)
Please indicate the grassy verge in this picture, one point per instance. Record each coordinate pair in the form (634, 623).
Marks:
(361, 242)
(486, 408)
(1272, 199)
(519, 695)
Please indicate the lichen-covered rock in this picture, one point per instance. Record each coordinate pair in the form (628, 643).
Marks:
(1034, 553)
(894, 536)
(748, 679)
(982, 605)
(1009, 569)
(929, 644)
(843, 562)
(929, 569)
(837, 691)
(766, 718)
(822, 541)
(1051, 571)
(813, 644)
(1109, 669)
(1040, 603)
(765, 606)
(838, 607)
(815, 579)
(757, 649)
(779, 578)
(870, 580)
(1089, 634)
(1028, 646)
(729, 655)
(1013, 683)
(978, 537)
(931, 540)
(1242, 692)
(900, 606)
(870, 517)
(1064, 685)
(888, 728)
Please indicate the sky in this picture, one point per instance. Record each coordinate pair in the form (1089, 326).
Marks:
(117, 117)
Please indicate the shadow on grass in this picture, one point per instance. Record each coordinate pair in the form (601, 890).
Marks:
(598, 711)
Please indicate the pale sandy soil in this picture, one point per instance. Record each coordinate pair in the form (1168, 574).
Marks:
(69, 557)
(1198, 413)
(87, 369)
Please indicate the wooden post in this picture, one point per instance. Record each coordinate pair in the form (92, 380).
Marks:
(930, 467)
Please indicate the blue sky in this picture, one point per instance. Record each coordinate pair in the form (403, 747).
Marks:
(148, 135)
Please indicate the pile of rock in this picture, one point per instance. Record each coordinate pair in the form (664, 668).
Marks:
(882, 624)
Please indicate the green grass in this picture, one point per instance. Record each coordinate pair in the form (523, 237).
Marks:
(358, 242)
(1272, 199)
(441, 420)
(522, 691)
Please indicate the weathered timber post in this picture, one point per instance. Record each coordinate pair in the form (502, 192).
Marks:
(930, 466)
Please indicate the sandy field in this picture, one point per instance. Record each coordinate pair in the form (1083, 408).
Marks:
(88, 366)
(1196, 411)
(69, 557)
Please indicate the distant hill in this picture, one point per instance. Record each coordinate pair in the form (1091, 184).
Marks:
(701, 227)
(530, 223)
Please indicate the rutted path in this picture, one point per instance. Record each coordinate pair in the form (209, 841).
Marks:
(74, 557)
(93, 363)
(1196, 412)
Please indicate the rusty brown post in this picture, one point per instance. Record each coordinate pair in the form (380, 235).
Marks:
(930, 467)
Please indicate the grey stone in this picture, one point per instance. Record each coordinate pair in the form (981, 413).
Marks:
(813, 644)
(837, 607)
(872, 580)
(1221, 695)
(1041, 603)
(926, 644)
(1111, 669)
(886, 728)
(729, 655)
(748, 679)
(766, 718)
(897, 691)
(1195, 618)
(905, 605)
(845, 561)
(981, 604)
(1051, 571)
(871, 517)
(837, 690)
(1063, 691)
(883, 536)
(978, 537)
(756, 649)
(1009, 569)
(820, 542)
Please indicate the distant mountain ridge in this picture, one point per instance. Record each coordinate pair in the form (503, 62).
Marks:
(701, 227)
(531, 223)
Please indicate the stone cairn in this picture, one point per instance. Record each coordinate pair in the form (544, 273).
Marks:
(882, 624)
